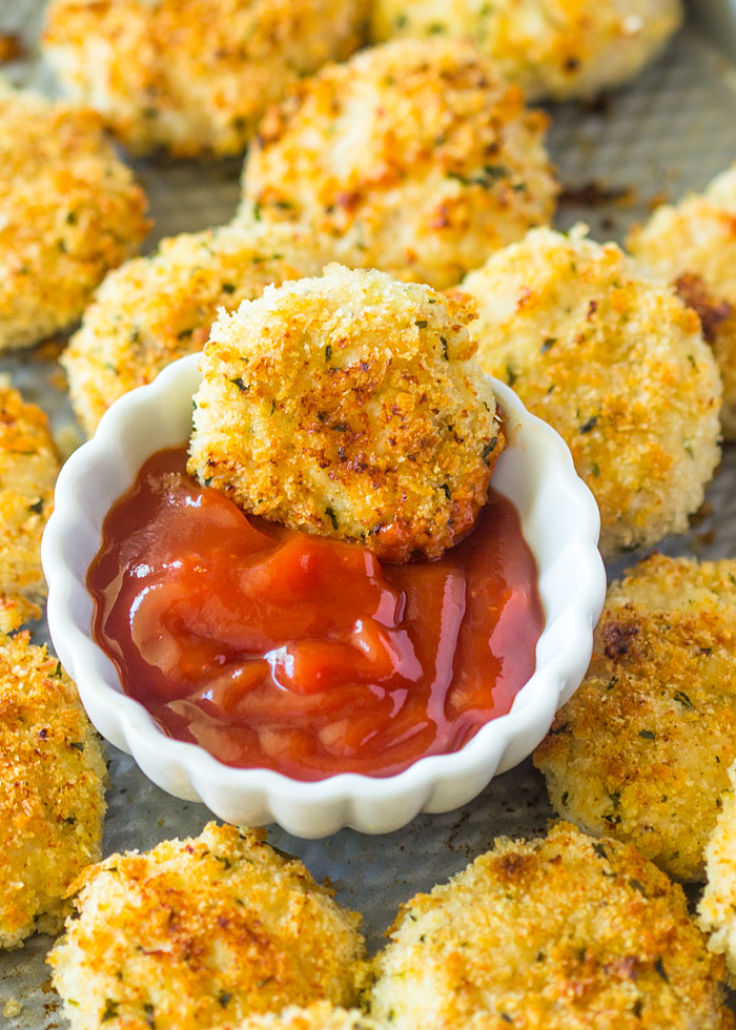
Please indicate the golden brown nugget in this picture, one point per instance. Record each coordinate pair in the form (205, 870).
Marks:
(69, 211)
(155, 309)
(554, 49)
(642, 750)
(717, 907)
(616, 364)
(349, 406)
(564, 932)
(52, 805)
(203, 932)
(193, 76)
(29, 465)
(416, 157)
(693, 245)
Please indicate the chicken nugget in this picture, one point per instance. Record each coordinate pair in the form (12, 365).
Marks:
(69, 211)
(717, 907)
(642, 750)
(693, 246)
(554, 49)
(29, 465)
(52, 804)
(565, 932)
(416, 157)
(154, 309)
(193, 76)
(350, 406)
(203, 932)
(616, 364)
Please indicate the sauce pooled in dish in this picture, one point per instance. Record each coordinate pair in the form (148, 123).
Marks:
(274, 648)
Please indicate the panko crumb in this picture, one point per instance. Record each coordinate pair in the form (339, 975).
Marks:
(616, 364)
(717, 907)
(52, 774)
(69, 211)
(193, 76)
(29, 465)
(203, 932)
(554, 49)
(693, 245)
(415, 157)
(155, 309)
(350, 406)
(319, 1016)
(642, 750)
(12, 1008)
(565, 932)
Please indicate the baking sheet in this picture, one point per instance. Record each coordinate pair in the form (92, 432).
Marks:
(672, 131)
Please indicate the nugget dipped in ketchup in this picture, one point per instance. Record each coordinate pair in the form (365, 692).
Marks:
(349, 409)
(349, 405)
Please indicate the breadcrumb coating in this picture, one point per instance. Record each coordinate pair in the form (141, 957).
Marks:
(416, 157)
(616, 364)
(319, 1016)
(52, 803)
(349, 406)
(202, 932)
(155, 309)
(717, 907)
(642, 750)
(29, 465)
(554, 49)
(693, 245)
(565, 932)
(69, 211)
(193, 76)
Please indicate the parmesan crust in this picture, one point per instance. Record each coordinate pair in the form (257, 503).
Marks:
(52, 804)
(717, 908)
(319, 1016)
(616, 364)
(415, 157)
(349, 406)
(202, 933)
(29, 466)
(193, 76)
(554, 49)
(642, 750)
(693, 246)
(69, 211)
(563, 933)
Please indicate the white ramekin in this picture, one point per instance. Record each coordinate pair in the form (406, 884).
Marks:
(559, 520)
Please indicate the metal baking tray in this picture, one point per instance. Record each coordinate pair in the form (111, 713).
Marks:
(669, 132)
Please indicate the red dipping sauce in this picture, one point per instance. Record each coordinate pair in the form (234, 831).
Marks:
(279, 649)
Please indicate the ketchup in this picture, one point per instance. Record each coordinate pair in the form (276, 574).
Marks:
(278, 649)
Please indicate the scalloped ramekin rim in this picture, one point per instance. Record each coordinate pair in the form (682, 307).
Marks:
(572, 606)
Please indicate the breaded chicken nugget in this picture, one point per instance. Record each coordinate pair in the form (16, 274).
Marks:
(554, 49)
(564, 932)
(193, 76)
(642, 750)
(29, 466)
(202, 932)
(69, 211)
(693, 245)
(717, 908)
(155, 309)
(616, 364)
(319, 1016)
(416, 157)
(349, 406)
(51, 790)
